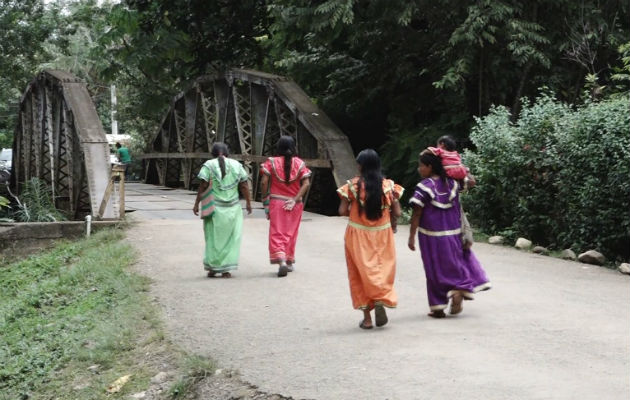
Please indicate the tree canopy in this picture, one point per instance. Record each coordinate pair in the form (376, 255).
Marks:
(387, 71)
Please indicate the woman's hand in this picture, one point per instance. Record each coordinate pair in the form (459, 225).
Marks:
(411, 243)
(196, 209)
(289, 204)
(248, 207)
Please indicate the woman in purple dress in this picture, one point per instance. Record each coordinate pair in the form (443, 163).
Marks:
(452, 272)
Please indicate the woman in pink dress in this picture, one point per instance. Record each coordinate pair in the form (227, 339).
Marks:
(285, 180)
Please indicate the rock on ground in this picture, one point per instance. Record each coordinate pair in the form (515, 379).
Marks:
(540, 250)
(496, 239)
(523, 244)
(592, 257)
(624, 268)
(568, 254)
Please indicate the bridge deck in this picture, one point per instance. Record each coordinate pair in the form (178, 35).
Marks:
(146, 202)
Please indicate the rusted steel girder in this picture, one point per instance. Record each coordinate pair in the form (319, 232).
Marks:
(60, 140)
(248, 110)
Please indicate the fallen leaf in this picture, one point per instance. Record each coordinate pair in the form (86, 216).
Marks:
(118, 384)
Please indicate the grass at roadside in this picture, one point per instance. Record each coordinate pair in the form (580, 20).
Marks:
(75, 319)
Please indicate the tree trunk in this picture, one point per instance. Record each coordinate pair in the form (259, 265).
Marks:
(516, 107)
(480, 85)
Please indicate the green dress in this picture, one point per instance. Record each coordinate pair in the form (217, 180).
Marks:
(223, 229)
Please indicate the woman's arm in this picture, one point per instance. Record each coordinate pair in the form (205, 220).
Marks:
(202, 187)
(289, 204)
(244, 188)
(304, 185)
(413, 226)
(344, 209)
(396, 210)
(264, 185)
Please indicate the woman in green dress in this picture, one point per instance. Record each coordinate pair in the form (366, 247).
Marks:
(221, 210)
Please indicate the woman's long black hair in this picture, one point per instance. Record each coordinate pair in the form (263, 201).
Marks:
(286, 148)
(220, 150)
(428, 158)
(372, 179)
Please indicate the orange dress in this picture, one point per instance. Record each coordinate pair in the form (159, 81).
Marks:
(370, 248)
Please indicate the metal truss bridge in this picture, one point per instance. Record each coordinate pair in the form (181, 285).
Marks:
(60, 139)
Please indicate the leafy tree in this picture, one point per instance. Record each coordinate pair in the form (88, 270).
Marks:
(27, 26)
(154, 48)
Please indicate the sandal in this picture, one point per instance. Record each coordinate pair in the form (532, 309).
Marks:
(456, 303)
(226, 275)
(362, 325)
(283, 270)
(380, 316)
(437, 314)
(211, 274)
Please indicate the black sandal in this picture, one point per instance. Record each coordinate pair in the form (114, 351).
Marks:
(380, 316)
(283, 270)
(211, 274)
(437, 314)
(226, 275)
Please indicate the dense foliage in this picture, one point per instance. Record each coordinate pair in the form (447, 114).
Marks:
(558, 174)
(393, 74)
(25, 28)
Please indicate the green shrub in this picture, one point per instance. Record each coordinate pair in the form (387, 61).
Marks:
(558, 175)
(36, 203)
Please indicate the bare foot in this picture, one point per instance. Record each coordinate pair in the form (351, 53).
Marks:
(366, 323)
(456, 303)
(226, 275)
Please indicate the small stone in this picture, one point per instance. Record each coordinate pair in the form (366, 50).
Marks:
(218, 371)
(540, 250)
(568, 254)
(94, 368)
(161, 377)
(624, 268)
(523, 244)
(139, 395)
(496, 239)
(592, 257)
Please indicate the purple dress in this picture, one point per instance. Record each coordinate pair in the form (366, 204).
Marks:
(447, 266)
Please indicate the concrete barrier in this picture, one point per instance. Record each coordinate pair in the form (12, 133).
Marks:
(21, 238)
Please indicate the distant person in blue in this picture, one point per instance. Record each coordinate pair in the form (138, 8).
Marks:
(123, 156)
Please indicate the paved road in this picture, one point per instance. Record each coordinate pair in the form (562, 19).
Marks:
(549, 329)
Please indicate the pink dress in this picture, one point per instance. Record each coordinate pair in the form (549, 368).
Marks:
(284, 225)
(452, 163)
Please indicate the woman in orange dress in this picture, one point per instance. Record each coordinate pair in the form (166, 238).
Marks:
(285, 181)
(370, 200)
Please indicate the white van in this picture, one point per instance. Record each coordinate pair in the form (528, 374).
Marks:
(6, 157)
